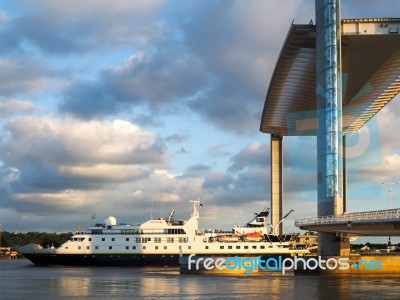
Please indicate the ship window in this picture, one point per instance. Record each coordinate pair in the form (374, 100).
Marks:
(190, 247)
(66, 247)
(144, 248)
(112, 239)
(127, 239)
(262, 247)
(103, 239)
(110, 247)
(237, 247)
(148, 239)
(127, 247)
(246, 247)
(254, 247)
(97, 247)
(221, 247)
(270, 246)
(229, 247)
(206, 247)
(260, 219)
(87, 247)
(165, 247)
(156, 247)
(137, 240)
(133, 247)
(90, 239)
(183, 240)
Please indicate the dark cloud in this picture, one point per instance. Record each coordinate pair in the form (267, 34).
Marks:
(247, 179)
(196, 171)
(71, 27)
(217, 180)
(87, 99)
(163, 79)
(176, 138)
(22, 76)
(253, 155)
(182, 150)
(240, 55)
(216, 63)
(198, 168)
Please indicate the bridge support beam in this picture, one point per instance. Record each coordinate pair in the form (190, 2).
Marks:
(276, 183)
(329, 114)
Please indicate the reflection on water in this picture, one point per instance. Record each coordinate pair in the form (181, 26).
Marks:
(21, 280)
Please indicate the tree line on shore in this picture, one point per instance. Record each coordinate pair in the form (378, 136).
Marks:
(15, 240)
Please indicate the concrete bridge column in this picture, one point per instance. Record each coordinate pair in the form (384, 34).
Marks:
(276, 182)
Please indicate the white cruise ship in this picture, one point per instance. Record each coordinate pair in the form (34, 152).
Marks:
(159, 242)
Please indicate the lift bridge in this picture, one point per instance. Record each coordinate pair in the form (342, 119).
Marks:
(330, 79)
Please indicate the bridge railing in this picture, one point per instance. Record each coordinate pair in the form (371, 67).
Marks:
(350, 217)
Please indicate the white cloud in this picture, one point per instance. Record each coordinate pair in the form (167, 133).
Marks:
(68, 141)
(68, 199)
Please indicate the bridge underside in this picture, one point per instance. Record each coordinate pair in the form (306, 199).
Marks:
(359, 228)
(370, 50)
(374, 223)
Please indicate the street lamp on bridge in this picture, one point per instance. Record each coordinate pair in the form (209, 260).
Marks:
(390, 191)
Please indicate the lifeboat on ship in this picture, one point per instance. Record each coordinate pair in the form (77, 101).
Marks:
(253, 237)
(228, 238)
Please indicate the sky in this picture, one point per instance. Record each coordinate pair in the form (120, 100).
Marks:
(133, 108)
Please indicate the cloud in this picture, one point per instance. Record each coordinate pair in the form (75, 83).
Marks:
(21, 76)
(244, 181)
(67, 27)
(9, 106)
(58, 154)
(215, 62)
(253, 154)
(155, 81)
(92, 66)
(176, 138)
(370, 9)
(240, 54)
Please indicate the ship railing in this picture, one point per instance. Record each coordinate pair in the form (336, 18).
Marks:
(218, 231)
(128, 233)
(390, 214)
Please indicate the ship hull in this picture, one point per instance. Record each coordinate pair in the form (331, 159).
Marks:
(114, 260)
(119, 260)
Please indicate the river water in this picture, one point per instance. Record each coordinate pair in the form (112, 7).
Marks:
(19, 279)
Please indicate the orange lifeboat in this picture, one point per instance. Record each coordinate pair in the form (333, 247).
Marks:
(253, 237)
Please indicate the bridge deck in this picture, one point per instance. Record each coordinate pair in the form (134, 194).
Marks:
(372, 223)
